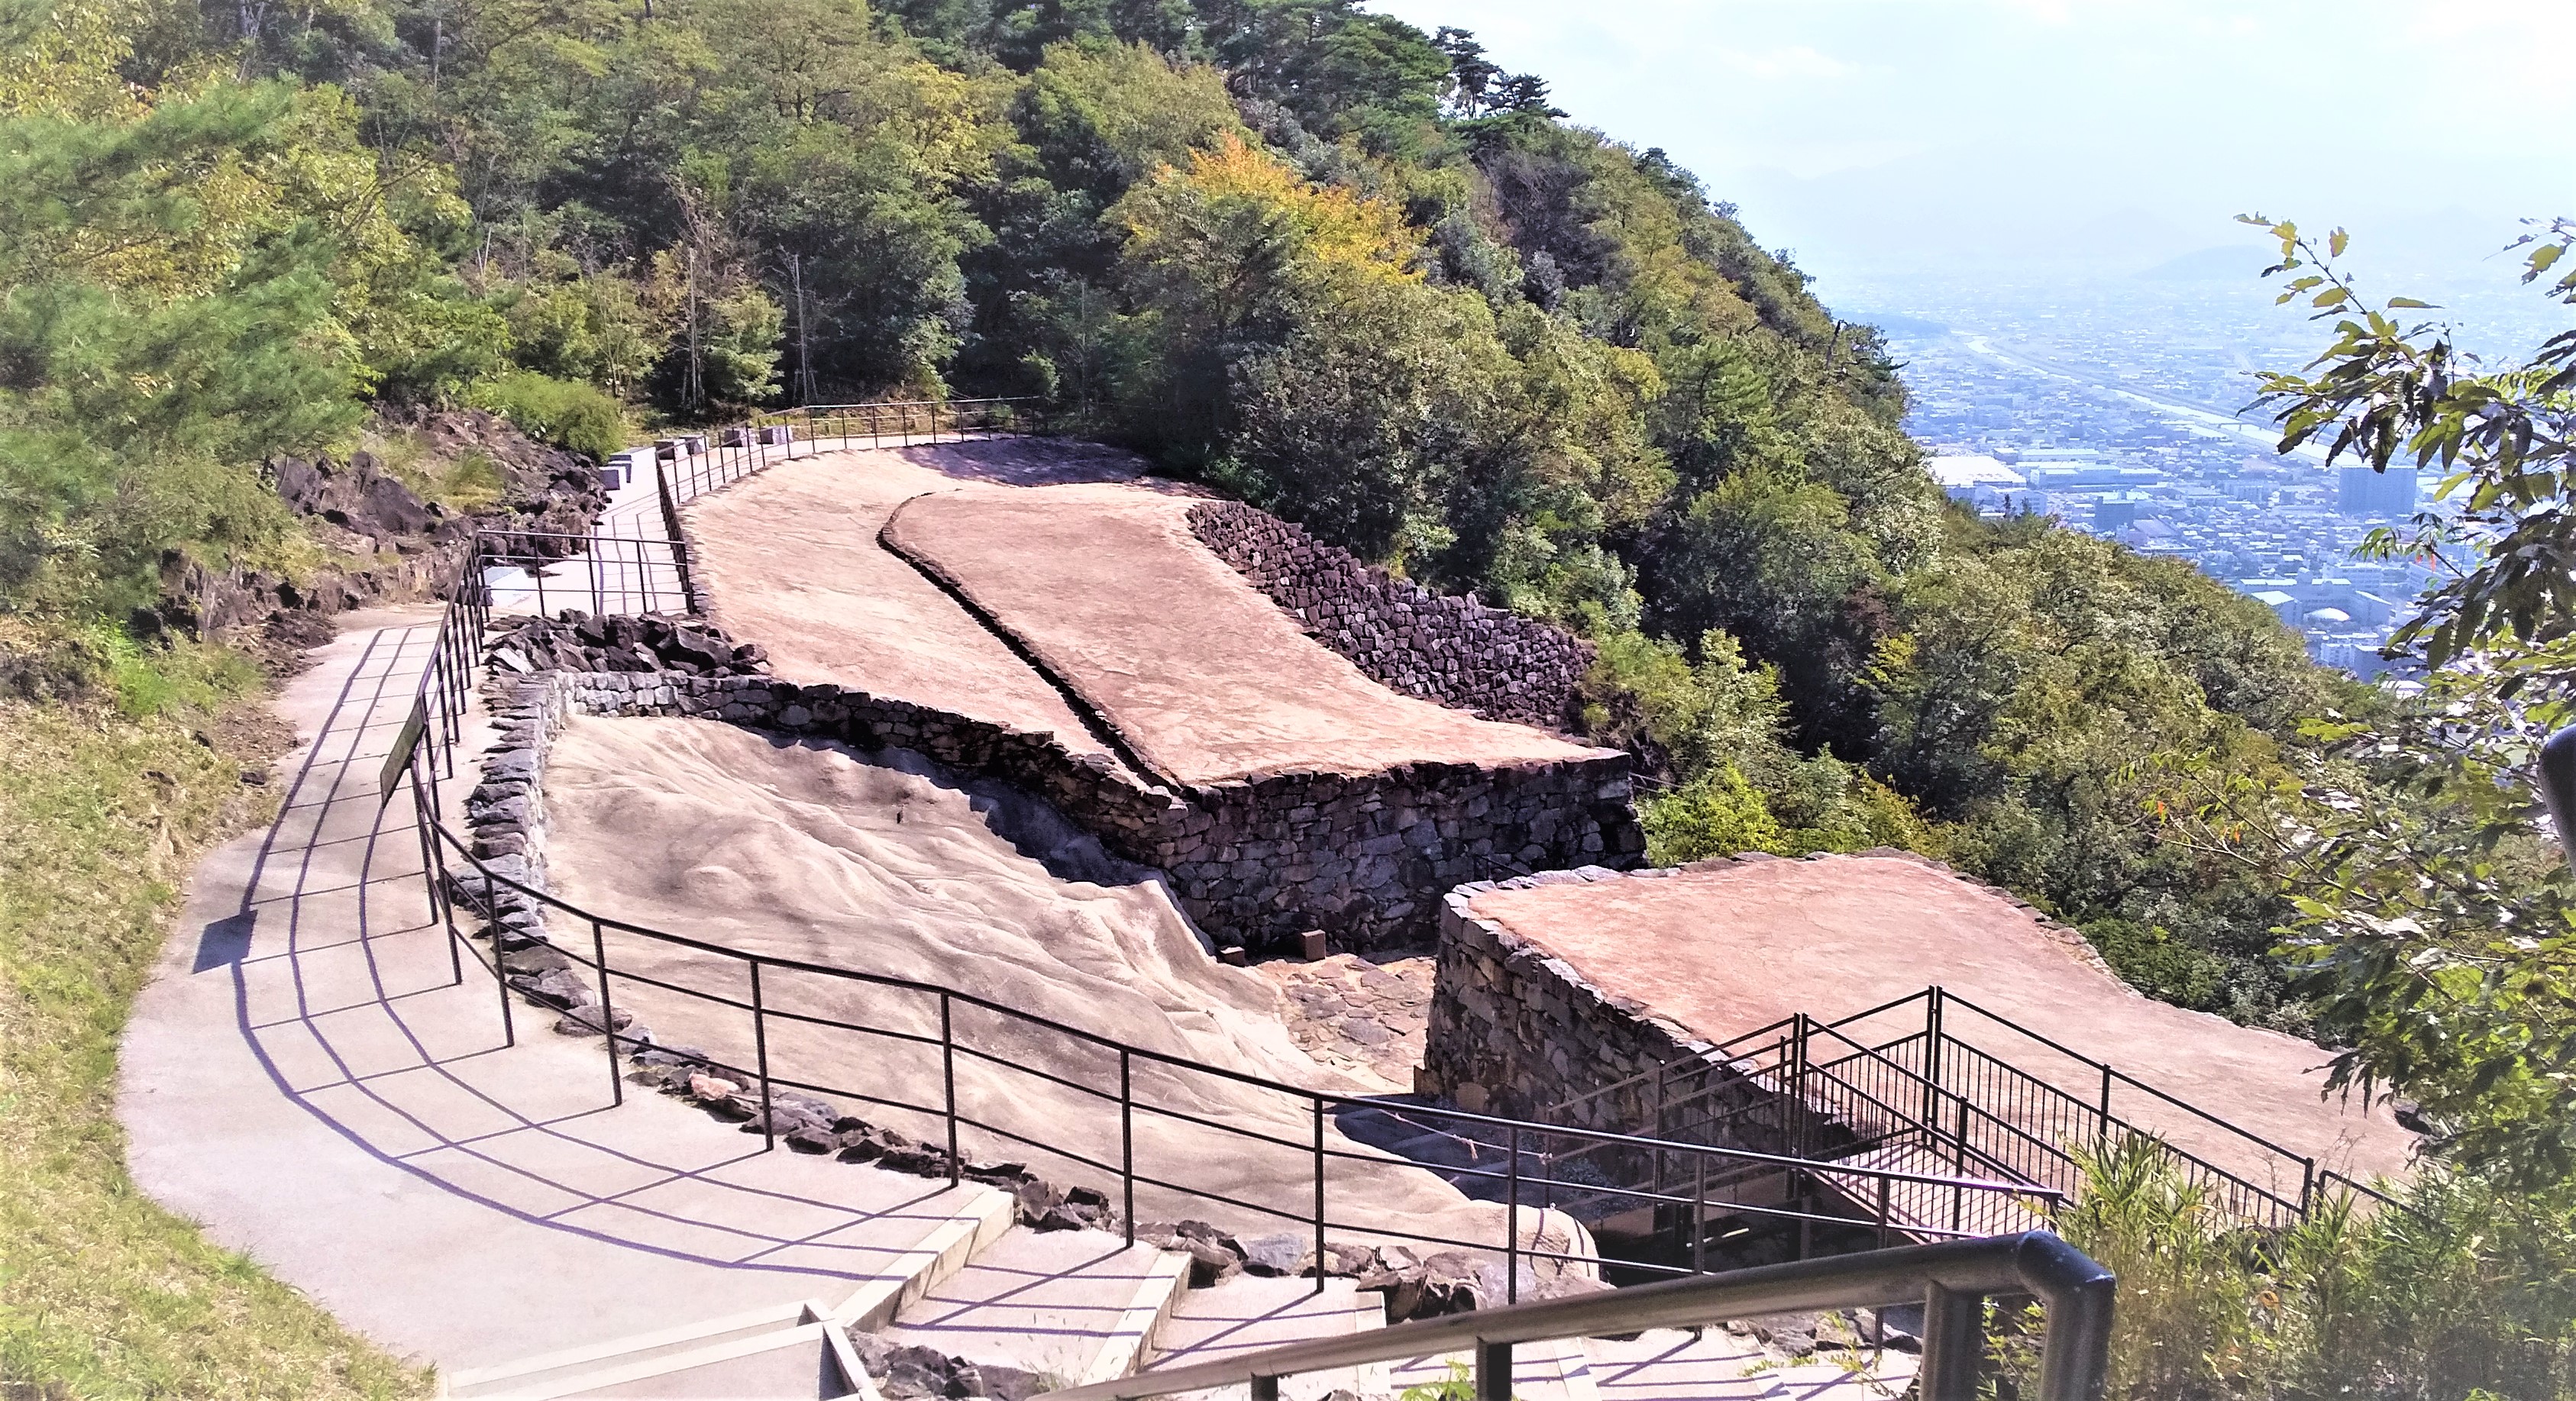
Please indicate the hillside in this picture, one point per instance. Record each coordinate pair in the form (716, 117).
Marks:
(293, 300)
(1291, 250)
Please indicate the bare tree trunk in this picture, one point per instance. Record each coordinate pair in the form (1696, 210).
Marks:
(694, 392)
(804, 341)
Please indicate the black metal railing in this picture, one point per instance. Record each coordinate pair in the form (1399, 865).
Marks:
(906, 423)
(1951, 1281)
(1538, 1167)
(1861, 1084)
(922, 1039)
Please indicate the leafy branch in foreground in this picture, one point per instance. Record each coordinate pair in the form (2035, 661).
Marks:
(2435, 927)
(2386, 391)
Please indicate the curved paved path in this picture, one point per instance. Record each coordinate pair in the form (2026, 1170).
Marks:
(306, 1078)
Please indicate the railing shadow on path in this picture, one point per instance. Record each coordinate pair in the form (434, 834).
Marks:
(342, 993)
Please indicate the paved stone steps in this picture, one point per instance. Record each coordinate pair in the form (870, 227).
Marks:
(791, 1351)
(1245, 1313)
(1071, 1306)
(783, 1351)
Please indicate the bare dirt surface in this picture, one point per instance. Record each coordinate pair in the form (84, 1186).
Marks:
(1205, 678)
(1361, 1016)
(790, 560)
(806, 851)
(1730, 947)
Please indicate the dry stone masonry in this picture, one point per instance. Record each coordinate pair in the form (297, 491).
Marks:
(1517, 1032)
(1258, 861)
(1451, 650)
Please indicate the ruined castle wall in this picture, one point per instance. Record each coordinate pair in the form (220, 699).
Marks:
(1518, 1032)
(1364, 858)
(1451, 650)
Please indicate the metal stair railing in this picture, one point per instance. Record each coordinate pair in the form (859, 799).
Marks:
(1085, 1066)
(1951, 1280)
(1983, 1112)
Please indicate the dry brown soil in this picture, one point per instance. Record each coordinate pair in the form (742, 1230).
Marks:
(789, 559)
(1205, 678)
(806, 851)
(1726, 948)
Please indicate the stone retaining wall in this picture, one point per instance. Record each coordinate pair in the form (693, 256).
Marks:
(1451, 650)
(1258, 862)
(1516, 1032)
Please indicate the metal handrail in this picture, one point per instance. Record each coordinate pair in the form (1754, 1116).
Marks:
(440, 841)
(1949, 999)
(1935, 1082)
(1950, 1279)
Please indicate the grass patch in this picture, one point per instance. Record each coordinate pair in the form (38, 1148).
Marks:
(105, 804)
(468, 482)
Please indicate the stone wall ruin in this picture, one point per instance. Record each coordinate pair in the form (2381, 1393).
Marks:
(1447, 649)
(1257, 862)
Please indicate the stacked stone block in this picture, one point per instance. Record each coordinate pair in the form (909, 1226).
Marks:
(1259, 862)
(1518, 1032)
(1451, 650)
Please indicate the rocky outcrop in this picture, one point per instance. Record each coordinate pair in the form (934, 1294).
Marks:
(391, 545)
(1443, 648)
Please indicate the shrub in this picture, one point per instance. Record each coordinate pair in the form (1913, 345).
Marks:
(577, 417)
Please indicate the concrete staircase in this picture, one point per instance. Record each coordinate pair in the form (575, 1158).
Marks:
(1075, 1307)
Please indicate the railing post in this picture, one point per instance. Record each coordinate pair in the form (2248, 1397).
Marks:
(1798, 1085)
(607, 1013)
(2307, 1186)
(760, 1056)
(1512, 1221)
(1932, 1034)
(948, 1076)
(1953, 1341)
(1127, 1136)
(423, 814)
(2106, 1103)
(1699, 1213)
(500, 970)
(1493, 1371)
(1319, 1194)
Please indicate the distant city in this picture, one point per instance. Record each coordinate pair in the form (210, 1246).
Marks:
(2121, 407)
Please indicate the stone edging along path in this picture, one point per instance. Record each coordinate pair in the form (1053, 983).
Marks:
(505, 816)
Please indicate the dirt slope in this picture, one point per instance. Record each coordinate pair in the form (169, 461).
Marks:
(806, 851)
(1203, 676)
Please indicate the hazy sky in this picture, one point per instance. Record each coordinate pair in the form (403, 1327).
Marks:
(1894, 135)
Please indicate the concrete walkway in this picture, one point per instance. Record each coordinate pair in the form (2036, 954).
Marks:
(307, 1078)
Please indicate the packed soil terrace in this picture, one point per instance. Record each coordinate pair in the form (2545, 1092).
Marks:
(1092, 568)
(789, 559)
(1730, 947)
(889, 865)
(1205, 678)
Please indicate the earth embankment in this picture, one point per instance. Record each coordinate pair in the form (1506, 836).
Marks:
(806, 851)
(1203, 676)
(789, 558)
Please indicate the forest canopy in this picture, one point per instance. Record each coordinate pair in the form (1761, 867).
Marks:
(1352, 272)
